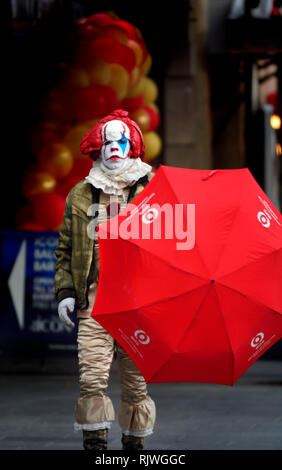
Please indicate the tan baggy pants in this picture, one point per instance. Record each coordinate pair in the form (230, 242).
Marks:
(94, 409)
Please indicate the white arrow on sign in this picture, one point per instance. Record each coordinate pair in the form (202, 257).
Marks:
(16, 283)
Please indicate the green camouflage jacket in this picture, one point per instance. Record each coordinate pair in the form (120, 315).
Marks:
(75, 251)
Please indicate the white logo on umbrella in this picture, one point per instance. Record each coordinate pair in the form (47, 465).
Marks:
(150, 215)
(257, 340)
(142, 337)
(263, 219)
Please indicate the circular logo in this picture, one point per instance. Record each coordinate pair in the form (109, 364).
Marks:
(263, 219)
(257, 340)
(150, 215)
(142, 337)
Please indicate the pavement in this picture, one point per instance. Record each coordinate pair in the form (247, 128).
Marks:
(37, 403)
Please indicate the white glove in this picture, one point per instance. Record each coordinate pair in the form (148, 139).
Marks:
(65, 307)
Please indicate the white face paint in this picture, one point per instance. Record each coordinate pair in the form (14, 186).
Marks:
(116, 146)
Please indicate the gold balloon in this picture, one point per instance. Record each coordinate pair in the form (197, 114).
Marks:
(153, 145)
(90, 123)
(56, 159)
(73, 138)
(135, 77)
(150, 91)
(37, 181)
(146, 66)
(137, 50)
(136, 89)
(99, 72)
(75, 77)
(142, 118)
(119, 80)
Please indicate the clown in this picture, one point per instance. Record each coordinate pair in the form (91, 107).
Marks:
(116, 146)
(118, 175)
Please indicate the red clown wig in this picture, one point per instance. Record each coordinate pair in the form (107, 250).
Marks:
(92, 141)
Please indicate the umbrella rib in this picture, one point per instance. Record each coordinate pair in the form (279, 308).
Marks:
(170, 265)
(231, 226)
(156, 302)
(198, 250)
(276, 250)
(161, 259)
(226, 331)
(250, 298)
(185, 333)
(171, 187)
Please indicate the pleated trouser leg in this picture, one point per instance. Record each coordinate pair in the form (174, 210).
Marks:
(137, 411)
(94, 409)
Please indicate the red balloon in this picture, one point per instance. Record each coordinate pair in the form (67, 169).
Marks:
(114, 31)
(24, 215)
(81, 168)
(272, 98)
(132, 104)
(86, 31)
(154, 117)
(67, 184)
(41, 136)
(128, 27)
(135, 35)
(93, 102)
(112, 51)
(49, 209)
(31, 226)
(101, 19)
(142, 44)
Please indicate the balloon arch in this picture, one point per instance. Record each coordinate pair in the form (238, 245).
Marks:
(107, 69)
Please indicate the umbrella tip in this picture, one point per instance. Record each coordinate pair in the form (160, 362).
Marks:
(209, 175)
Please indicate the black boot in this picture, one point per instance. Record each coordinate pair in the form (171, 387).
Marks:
(132, 443)
(95, 440)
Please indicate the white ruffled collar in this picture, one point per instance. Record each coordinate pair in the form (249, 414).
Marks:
(115, 181)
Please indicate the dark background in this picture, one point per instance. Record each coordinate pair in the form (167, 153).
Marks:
(30, 57)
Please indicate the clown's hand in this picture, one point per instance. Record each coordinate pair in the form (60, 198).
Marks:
(65, 307)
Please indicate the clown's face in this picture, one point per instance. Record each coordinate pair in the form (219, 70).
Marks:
(116, 144)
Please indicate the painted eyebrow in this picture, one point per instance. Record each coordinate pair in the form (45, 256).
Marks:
(121, 138)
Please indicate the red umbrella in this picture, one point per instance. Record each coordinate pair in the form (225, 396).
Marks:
(205, 307)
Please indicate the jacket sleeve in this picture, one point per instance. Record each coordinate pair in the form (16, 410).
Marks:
(63, 276)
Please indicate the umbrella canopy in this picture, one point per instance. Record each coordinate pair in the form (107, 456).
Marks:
(190, 276)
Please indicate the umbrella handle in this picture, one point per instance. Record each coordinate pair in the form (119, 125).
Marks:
(211, 173)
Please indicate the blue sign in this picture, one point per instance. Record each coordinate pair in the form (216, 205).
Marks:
(28, 303)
